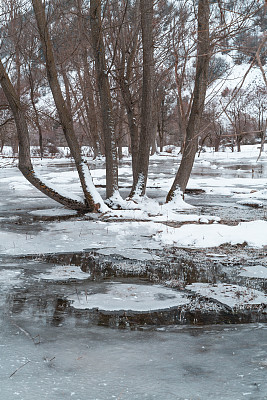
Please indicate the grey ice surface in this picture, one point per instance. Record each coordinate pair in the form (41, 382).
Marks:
(78, 361)
(74, 362)
(52, 357)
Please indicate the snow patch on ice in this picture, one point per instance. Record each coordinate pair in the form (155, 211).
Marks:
(130, 297)
(53, 212)
(251, 203)
(255, 271)
(9, 277)
(63, 273)
(253, 233)
(231, 295)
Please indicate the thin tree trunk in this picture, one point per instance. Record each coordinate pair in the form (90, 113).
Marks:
(87, 86)
(25, 164)
(125, 73)
(133, 128)
(105, 99)
(36, 113)
(90, 109)
(147, 114)
(62, 109)
(201, 82)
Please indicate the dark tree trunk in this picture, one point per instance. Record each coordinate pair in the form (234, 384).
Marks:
(37, 121)
(201, 82)
(62, 109)
(87, 86)
(147, 110)
(125, 68)
(133, 127)
(105, 99)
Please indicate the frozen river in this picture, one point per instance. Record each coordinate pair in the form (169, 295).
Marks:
(76, 362)
(45, 357)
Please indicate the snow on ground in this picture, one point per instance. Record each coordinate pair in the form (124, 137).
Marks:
(232, 295)
(136, 297)
(253, 233)
(126, 238)
(142, 224)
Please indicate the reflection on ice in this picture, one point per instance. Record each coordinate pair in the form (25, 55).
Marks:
(87, 364)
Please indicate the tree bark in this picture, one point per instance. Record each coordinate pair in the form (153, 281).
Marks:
(87, 86)
(37, 121)
(147, 111)
(62, 109)
(105, 99)
(200, 88)
(124, 66)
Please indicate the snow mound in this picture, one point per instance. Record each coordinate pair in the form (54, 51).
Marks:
(252, 233)
(251, 203)
(177, 203)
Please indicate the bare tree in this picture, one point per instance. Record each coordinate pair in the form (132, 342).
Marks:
(147, 110)
(25, 164)
(62, 108)
(105, 99)
(201, 82)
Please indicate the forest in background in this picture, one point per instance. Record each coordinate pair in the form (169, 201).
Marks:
(137, 74)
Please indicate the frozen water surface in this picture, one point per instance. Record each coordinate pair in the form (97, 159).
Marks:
(43, 356)
(92, 363)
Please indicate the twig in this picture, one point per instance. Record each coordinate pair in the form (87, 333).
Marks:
(13, 373)
(26, 333)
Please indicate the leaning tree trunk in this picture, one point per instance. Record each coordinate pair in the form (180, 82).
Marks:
(105, 99)
(201, 82)
(62, 109)
(25, 164)
(147, 123)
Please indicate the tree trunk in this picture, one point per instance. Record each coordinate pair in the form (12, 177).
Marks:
(87, 86)
(133, 128)
(147, 111)
(201, 82)
(37, 121)
(90, 109)
(62, 109)
(25, 164)
(105, 99)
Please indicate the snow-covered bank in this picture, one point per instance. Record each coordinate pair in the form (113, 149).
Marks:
(143, 225)
(251, 233)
